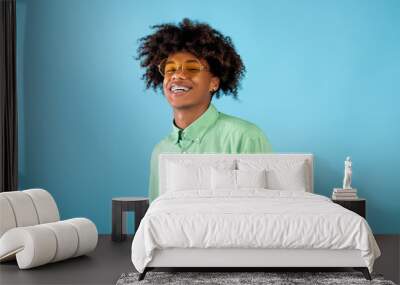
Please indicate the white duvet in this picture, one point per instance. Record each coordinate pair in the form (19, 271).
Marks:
(250, 218)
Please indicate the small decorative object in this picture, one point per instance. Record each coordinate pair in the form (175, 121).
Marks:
(347, 173)
(347, 192)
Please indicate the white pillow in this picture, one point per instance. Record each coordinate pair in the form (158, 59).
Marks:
(251, 178)
(281, 174)
(184, 175)
(236, 179)
(223, 179)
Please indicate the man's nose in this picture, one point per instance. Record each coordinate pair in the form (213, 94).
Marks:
(180, 73)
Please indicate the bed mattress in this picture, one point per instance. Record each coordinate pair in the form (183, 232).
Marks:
(250, 219)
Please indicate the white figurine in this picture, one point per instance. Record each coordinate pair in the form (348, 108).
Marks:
(347, 174)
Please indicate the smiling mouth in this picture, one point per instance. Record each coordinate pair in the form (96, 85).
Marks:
(178, 89)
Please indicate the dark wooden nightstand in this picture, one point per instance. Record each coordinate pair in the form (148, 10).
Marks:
(119, 208)
(358, 206)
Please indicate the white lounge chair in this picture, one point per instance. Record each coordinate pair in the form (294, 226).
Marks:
(32, 233)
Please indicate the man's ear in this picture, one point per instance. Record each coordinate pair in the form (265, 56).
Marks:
(214, 85)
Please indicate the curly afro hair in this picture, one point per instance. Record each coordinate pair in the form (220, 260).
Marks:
(198, 39)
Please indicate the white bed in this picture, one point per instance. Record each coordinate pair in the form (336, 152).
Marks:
(200, 220)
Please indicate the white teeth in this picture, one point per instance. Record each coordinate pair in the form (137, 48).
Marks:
(176, 88)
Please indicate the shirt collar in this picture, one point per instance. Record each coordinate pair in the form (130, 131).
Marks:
(197, 129)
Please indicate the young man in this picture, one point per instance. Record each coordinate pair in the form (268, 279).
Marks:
(192, 63)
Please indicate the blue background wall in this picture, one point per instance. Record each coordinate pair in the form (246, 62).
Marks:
(322, 77)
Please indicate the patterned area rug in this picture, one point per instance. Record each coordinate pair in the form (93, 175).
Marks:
(269, 278)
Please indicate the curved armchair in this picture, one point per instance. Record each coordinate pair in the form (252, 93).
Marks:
(32, 233)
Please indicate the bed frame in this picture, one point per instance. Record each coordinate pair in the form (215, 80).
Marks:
(246, 259)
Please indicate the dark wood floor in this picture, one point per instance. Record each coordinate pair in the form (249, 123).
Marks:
(111, 259)
(103, 266)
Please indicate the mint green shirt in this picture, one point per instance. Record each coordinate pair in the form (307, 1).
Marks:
(212, 132)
